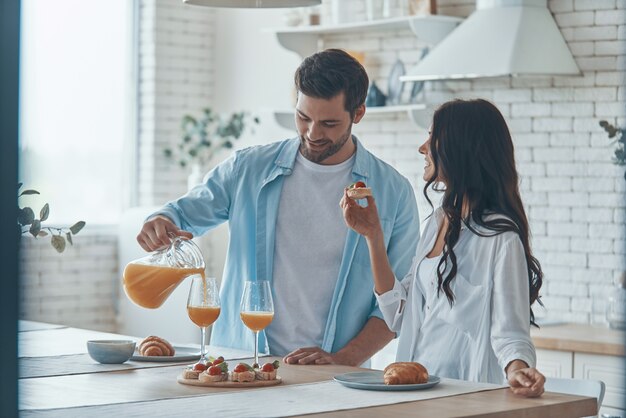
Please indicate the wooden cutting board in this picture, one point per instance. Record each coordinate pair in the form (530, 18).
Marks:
(231, 384)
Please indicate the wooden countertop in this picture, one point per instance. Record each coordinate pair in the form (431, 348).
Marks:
(580, 338)
(154, 391)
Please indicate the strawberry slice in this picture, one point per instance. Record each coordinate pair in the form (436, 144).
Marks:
(242, 367)
(270, 367)
(217, 369)
(200, 367)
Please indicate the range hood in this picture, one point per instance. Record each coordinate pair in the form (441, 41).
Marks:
(501, 38)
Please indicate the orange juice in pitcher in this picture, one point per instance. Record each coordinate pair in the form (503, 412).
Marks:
(150, 280)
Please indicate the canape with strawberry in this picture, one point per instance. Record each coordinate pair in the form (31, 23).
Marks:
(358, 190)
(216, 373)
(193, 371)
(268, 371)
(243, 373)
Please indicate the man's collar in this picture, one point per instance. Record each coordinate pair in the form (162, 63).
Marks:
(287, 157)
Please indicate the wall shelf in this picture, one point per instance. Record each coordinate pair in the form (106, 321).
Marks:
(304, 40)
(419, 113)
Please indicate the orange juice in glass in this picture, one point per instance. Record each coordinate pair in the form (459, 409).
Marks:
(257, 321)
(203, 307)
(257, 309)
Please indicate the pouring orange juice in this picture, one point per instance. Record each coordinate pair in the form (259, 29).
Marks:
(150, 280)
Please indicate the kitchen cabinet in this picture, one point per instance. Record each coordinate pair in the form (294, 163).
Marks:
(554, 363)
(586, 352)
(609, 369)
(306, 40)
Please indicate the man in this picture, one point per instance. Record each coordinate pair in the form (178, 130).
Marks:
(286, 226)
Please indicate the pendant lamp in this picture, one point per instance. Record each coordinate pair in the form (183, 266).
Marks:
(253, 4)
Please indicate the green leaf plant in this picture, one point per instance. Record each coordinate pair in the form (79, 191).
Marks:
(28, 223)
(617, 136)
(202, 138)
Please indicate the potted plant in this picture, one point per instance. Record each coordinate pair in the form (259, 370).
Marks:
(28, 223)
(202, 138)
(618, 137)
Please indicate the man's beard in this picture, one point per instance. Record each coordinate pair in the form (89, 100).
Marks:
(327, 152)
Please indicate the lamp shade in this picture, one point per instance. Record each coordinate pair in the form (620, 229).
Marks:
(253, 4)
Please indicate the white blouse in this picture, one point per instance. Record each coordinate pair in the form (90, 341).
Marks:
(486, 328)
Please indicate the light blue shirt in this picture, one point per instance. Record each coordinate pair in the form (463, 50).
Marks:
(245, 191)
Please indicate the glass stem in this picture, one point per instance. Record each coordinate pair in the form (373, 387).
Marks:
(256, 347)
(203, 358)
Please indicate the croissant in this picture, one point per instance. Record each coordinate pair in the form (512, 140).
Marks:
(155, 346)
(405, 373)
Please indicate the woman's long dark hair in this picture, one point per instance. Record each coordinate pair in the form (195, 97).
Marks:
(472, 152)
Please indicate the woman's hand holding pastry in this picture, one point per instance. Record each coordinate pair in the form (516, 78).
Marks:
(363, 220)
(526, 381)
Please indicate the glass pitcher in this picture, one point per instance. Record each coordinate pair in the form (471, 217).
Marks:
(150, 280)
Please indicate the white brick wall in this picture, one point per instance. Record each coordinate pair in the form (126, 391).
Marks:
(175, 78)
(77, 287)
(574, 195)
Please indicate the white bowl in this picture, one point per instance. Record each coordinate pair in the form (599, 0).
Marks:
(111, 351)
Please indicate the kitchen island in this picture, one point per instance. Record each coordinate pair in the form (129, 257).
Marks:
(58, 379)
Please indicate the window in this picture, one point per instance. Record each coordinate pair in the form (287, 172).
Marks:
(77, 107)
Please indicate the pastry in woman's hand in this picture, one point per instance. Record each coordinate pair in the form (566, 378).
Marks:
(358, 190)
(405, 373)
(155, 346)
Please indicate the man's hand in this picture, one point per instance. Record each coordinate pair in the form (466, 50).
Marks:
(310, 355)
(156, 231)
(374, 336)
(525, 381)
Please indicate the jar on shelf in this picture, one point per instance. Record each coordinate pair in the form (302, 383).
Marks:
(616, 307)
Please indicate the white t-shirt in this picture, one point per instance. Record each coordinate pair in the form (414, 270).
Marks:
(310, 237)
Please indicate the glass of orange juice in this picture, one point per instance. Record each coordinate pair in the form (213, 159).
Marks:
(203, 307)
(257, 309)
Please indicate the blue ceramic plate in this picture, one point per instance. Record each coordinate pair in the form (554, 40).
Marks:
(373, 380)
(394, 84)
(181, 354)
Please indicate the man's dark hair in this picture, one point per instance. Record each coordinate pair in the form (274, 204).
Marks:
(326, 74)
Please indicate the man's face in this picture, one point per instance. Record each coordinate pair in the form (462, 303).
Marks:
(325, 129)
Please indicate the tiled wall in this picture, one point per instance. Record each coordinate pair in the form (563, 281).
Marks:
(574, 195)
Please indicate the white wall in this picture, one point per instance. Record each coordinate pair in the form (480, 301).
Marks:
(76, 288)
(573, 193)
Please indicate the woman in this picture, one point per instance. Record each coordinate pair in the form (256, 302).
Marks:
(463, 310)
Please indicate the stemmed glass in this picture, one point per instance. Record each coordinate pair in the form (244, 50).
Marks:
(257, 309)
(203, 307)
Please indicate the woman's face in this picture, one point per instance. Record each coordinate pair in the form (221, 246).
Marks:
(429, 166)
